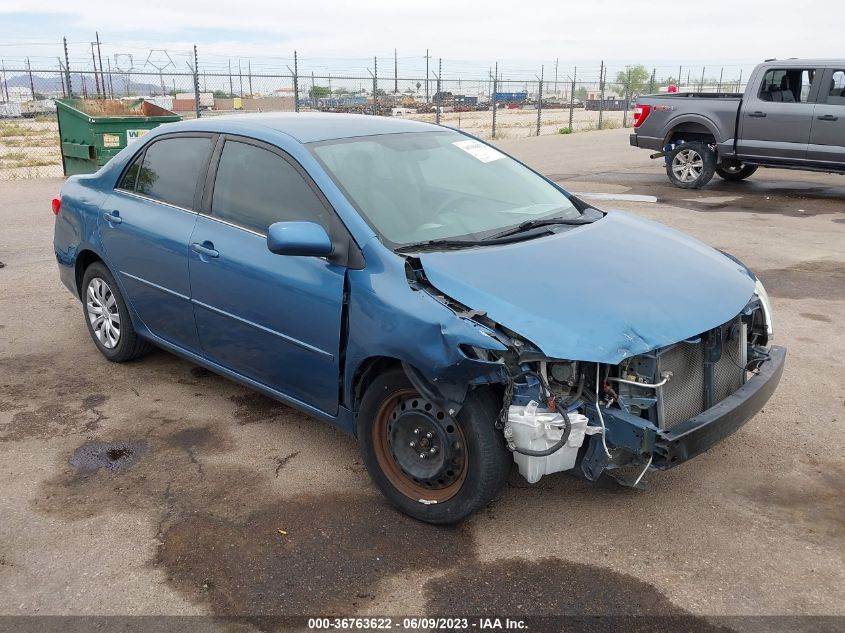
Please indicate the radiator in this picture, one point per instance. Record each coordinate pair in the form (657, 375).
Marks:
(684, 396)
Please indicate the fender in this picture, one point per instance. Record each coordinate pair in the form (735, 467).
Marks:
(695, 119)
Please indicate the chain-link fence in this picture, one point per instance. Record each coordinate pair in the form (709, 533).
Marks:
(494, 105)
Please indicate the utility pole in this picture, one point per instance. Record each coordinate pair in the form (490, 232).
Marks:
(295, 82)
(249, 70)
(572, 96)
(427, 57)
(493, 100)
(439, 95)
(62, 77)
(313, 92)
(601, 93)
(231, 91)
(31, 83)
(5, 85)
(100, 57)
(240, 80)
(701, 83)
(539, 100)
(395, 72)
(679, 76)
(196, 83)
(96, 76)
(721, 74)
(111, 86)
(67, 70)
(627, 96)
(556, 61)
(375, 86)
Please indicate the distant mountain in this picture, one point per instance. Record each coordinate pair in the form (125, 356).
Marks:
(52, 84)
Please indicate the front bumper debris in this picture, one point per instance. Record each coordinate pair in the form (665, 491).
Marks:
(696, 435)
(638, 437)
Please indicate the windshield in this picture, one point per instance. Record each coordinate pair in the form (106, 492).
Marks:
(423, 186)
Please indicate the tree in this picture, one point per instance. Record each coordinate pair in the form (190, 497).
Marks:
(640, 78)
(581, 93)
(318, 92)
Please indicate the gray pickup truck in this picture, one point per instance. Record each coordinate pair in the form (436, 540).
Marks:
(792, 116)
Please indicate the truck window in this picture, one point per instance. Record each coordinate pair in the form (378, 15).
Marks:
(787, 85)
(836, 90)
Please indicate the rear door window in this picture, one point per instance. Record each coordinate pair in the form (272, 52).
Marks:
(787, 85)
(255, 187)
(172, 169)
(836, 89)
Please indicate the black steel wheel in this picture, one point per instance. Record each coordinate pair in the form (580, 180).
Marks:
(432, 466)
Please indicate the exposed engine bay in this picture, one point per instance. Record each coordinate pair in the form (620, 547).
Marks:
(554, 410)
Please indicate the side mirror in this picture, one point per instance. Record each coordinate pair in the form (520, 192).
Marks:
(298, 238)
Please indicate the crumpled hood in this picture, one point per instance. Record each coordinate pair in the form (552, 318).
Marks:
(601, 292)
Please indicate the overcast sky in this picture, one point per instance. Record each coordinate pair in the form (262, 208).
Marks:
(469, 36)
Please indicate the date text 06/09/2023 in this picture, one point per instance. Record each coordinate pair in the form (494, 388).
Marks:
(416, 623)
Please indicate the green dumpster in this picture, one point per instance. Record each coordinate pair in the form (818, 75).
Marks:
(91, 131)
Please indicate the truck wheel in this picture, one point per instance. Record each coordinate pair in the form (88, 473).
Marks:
(431, 466)
(691, 165)
(733, 170)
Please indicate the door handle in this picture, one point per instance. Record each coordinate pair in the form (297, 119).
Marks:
(827, 117)
(757, 114)
(206, 248)
(113, 217)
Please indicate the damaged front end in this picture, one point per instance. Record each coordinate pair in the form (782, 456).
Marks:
(652, 410)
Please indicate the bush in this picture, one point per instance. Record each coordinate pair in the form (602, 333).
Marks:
(565, 130)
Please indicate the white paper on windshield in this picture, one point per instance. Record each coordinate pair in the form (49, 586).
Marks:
(480, 151)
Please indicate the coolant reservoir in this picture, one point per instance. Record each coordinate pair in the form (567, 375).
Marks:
(534, 428)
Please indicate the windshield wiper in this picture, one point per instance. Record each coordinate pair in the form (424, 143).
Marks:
(420, 246)
(534, 224)
(442, 244)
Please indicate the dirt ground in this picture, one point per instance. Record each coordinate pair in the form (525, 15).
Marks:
(29, 148)
(158, 488)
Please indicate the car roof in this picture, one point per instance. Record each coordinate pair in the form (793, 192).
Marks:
(818, 63)
(308, 127)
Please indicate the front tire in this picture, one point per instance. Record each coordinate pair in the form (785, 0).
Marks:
(733, 171)
(107, 316)
(691, 165)
(431, 466)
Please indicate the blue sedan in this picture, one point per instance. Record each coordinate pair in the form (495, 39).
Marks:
(454, 310)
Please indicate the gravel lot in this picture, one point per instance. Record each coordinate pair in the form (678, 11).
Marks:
(184, 517)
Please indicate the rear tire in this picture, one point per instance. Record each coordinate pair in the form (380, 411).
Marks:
(107, 316)
(691, 165)
(733, 171)
(466, 463)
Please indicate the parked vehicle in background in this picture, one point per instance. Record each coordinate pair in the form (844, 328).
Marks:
(792, 115)
(372, 272)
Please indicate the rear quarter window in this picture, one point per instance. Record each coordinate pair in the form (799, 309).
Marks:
(172, 169)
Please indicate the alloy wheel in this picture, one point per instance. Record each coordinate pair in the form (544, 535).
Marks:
(687, 165)
(103, 313)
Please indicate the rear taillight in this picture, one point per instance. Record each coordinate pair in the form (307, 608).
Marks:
(57, 205)
(641, 113)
